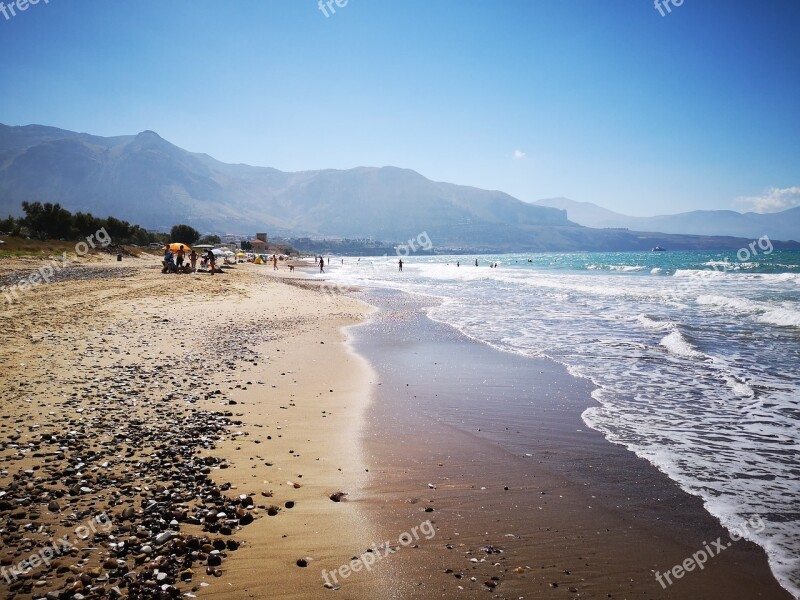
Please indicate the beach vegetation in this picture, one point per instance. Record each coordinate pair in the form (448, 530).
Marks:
(51, 223)
(210, 239)
(185, 234)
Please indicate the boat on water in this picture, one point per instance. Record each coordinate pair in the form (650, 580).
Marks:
(658, 249)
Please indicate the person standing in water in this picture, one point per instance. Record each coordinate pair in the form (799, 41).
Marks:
(476, 262)
(321, 265)
(400, 264)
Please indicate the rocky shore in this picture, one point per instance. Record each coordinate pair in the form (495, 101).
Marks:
(122, 427)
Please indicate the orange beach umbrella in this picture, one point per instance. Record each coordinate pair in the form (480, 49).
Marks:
(175, 246)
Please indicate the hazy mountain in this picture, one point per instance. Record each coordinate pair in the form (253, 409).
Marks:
(783, 225)
(146, 180)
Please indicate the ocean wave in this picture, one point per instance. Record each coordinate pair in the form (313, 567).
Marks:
(719, 263)
(704, 273)
(739, 387)
(651, 322)
(713, 274)
(783, 317)
(677, 344)
(626, 268)
(743, 305)
(617, 268)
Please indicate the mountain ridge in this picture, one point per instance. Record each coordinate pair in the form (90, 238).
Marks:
(147, 180)
(784, 225)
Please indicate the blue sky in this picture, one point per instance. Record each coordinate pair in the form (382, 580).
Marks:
(603, 101)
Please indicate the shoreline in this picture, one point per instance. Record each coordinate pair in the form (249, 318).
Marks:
(314, 394)
(624, 519)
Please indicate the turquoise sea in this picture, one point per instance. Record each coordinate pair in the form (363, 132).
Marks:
(695, 355)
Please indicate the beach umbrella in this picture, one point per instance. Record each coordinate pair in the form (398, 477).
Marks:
(175, 246)
(241, 254)
(203, 246)
(218, 252)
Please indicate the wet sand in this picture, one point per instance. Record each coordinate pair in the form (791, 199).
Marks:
(528, 501)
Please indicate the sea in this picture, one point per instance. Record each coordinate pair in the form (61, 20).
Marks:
(695, 357)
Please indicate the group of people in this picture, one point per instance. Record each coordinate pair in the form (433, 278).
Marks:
(492, 265)
(176, 262)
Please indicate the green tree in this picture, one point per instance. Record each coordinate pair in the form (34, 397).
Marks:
(158, 238)
(246, 245)
(9, 225)
(185, 234)
(119, 231)
(47, 221)
(139, 236)
(210, 239)
(85, 224)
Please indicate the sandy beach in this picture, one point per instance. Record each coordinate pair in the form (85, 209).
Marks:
(247, 435)
(228, 400)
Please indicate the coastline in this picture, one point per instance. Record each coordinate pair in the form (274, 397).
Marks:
(395, 410)
(579, 513)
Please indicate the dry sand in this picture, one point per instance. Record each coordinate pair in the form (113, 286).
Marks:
(116, 343)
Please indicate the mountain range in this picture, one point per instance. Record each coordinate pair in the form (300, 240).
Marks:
(146, 180)
(784, 225)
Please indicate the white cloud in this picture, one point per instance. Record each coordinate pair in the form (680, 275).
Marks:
(772, 200)
(518, 154)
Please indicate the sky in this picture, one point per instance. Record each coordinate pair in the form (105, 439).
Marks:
(644, 109)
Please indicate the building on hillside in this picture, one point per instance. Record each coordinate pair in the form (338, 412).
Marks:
(258, 245)
(262, 237)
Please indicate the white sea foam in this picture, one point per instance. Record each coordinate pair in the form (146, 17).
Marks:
(704, 273)
(740, 388)
(676, 343)
(626, 268)
(650, 322)
(783, 317)
(719, 263)
(741, 305)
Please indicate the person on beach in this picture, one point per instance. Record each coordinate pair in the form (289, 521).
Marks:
(181, 254)
(274, 263)
(321, 265)
(400, 264)
(476, 262)
(211, 260)
(458, 263)
(193, 260)
(169, 261)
